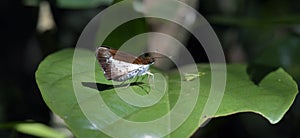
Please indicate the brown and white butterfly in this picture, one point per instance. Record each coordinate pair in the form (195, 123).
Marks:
(122, 66)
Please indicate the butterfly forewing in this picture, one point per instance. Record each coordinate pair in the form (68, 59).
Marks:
(118, 65)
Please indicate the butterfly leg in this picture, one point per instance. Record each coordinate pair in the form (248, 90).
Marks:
(150, 74)
(147, 92)
(126, 85)
(152, 77)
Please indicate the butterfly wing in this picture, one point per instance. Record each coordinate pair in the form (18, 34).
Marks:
(116, 64)
(121, 71)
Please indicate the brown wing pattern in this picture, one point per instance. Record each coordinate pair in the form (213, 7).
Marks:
(129, 58)
(113, 71)
(106, 56)
(122, 56)
(103, 55)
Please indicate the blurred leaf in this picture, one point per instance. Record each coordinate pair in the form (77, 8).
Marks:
(31, 2)
(126, 31)
(38, 130)
(268, 41)
(73, 4)
(271, 98)
(282, 52)
(258, 71)
(254, 22)
(79, 4)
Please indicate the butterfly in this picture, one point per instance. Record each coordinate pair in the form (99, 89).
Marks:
(121, 66)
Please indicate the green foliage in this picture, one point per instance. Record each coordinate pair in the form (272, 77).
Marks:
(271, 98)
(126, 31)
(269, 42)
(73, 4)
(38, 130)
(33, 129)
(77, 4)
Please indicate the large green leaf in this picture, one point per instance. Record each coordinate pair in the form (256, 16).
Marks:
(271, 98)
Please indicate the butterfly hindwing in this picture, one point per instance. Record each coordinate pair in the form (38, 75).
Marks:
(116, 66)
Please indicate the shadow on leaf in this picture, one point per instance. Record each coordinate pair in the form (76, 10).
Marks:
(103, 87)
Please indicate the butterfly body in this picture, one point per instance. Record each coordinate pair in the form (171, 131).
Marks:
(121, 66)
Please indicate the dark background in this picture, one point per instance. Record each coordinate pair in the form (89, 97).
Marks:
(263, 33)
